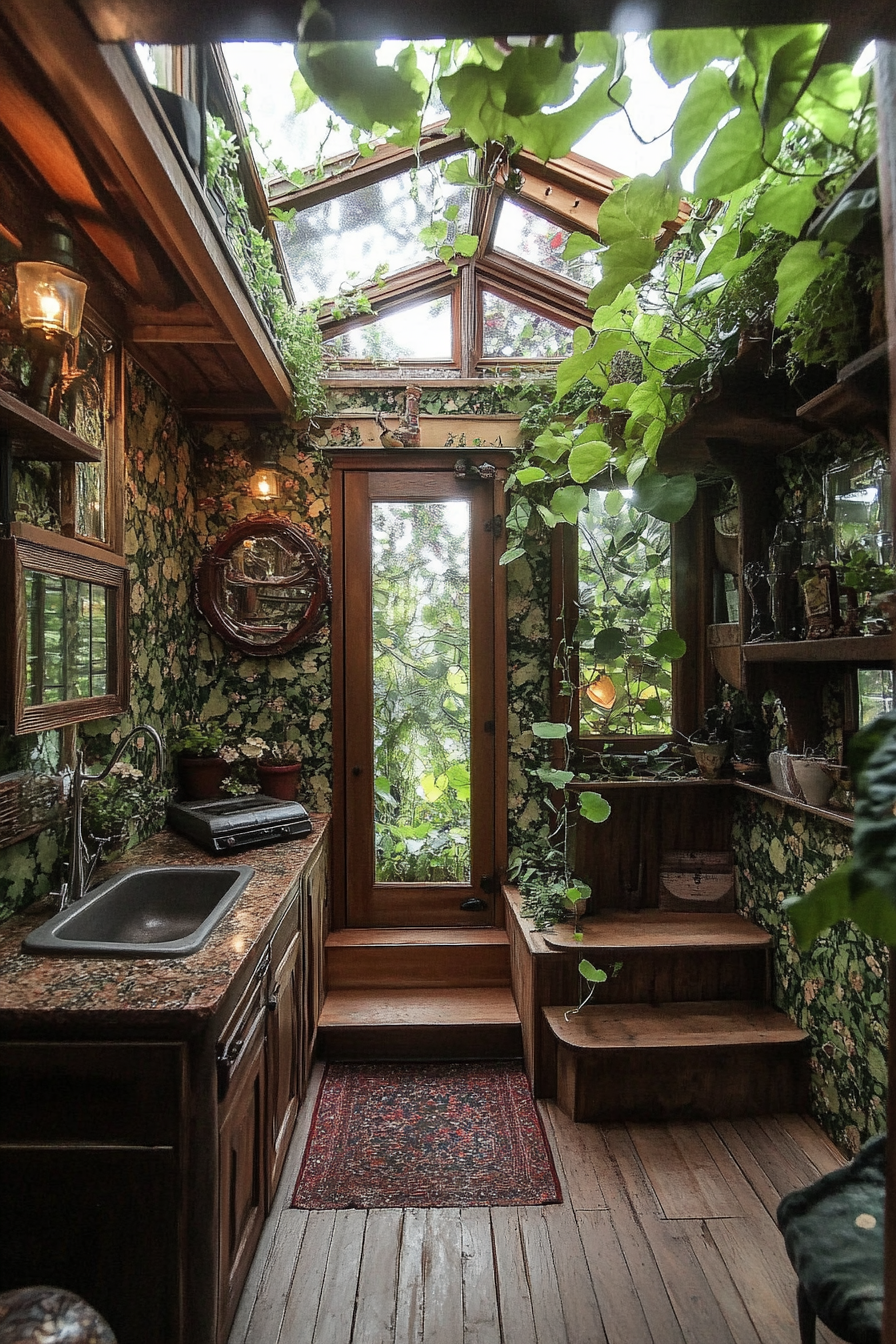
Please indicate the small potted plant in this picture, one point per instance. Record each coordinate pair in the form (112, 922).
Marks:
(709, 745)
(277, 764)
(112, 804)
(200, 765)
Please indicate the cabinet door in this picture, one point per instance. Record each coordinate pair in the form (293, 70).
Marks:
(241, 1168)
(284, 1055)
(315, 927)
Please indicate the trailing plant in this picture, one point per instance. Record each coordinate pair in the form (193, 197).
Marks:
(592, 976)
(295, 329)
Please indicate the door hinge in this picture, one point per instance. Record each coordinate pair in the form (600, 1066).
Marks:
(488, 726)
(487, 884)
(495, 525)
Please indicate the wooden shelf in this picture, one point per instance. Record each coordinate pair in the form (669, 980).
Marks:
(36, 438)
(860, 396)
(685, 782)
(855, 649)
(834, 814)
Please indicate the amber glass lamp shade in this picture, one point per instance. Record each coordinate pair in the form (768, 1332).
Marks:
(51, 298)
(602, 692)
(265, 484)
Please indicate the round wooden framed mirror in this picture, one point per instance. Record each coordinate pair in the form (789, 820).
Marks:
(262, 586)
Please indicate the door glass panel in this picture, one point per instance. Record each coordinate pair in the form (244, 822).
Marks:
(421, 678)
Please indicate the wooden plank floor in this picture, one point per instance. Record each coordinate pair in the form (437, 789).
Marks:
(666, 1236)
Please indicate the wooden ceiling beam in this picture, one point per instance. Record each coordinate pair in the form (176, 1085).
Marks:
(186, 21)
(186, 325)
(110, 123)
(351, 173)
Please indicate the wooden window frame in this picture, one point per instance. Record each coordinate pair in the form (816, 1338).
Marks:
(48, 553)
(693, 677)
(113, 385)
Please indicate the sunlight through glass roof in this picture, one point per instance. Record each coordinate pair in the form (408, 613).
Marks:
(340, 243)
(421, 331)
(522, 234)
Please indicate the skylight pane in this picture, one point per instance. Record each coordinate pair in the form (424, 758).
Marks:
(520, 233)
(512, 332)
(338, 244)
(422, 331)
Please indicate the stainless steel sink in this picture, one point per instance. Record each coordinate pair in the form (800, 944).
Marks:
(145, 912)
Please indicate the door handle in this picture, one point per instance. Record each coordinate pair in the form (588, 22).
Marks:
(473, 903)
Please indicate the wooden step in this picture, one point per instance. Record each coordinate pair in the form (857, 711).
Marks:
(413, 1024)
(631, 931)
(418, 958)
(664, 956)
(678, 1061)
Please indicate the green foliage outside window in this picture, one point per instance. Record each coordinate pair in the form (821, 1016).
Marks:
(421, 678)
(624, 634)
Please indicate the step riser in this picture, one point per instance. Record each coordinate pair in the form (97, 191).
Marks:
(416, 967)
(690, 1083)
(479, 1041)
(680, 976)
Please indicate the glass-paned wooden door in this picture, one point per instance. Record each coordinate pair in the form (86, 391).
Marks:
(419, 699)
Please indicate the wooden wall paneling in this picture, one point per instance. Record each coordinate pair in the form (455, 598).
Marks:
(337, 646)
(885, 75)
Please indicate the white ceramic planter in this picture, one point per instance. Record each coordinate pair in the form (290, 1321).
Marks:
(814, 779)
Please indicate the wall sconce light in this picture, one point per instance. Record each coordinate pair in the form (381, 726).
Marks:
(51, 297)
(265, 482)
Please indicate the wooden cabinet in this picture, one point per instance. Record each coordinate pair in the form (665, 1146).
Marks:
(140, 1152)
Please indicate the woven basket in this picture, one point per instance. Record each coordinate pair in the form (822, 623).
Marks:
(27, 801)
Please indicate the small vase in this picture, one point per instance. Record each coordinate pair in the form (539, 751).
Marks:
(201, 776)
(710, 757)
(279, 781)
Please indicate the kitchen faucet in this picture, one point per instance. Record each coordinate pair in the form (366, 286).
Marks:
(81, 864)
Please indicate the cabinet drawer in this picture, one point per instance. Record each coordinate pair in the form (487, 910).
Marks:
(91, 1092)
(285, 932)
(243, 1026)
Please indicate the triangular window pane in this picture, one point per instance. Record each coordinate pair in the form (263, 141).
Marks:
(510, 331)
(340, 243)
(422, 331)
(522, 234)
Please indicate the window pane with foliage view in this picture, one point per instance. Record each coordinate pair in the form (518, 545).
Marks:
(421, 706)
(420, 331)
(624, 633)
(520, 233)
(67, 656)
(512, 332)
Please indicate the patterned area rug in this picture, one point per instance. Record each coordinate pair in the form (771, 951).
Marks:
(392, 1136)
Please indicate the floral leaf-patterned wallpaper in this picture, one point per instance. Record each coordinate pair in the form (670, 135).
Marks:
(837, 991)
(184, 488)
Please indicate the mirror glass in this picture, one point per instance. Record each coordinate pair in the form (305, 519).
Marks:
(858, 505)
(67, 655)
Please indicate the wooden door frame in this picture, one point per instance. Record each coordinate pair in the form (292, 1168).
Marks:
(429, 459)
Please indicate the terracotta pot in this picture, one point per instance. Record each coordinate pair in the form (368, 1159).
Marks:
(200, 776)
(280, 781)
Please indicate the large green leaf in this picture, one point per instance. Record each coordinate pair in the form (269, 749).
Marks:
(587, 459)
(668, 644)
(594, 807)
(609, 644)
(569, 501)
(302, 96)
(787, 205)
(577, 244)
(593, 974)
(345, 76)
(665, 497)
(734, 157)
(678, 53)
(789, 70)
(550, 731)
(622, 264)
(796, 272)
(706, 102)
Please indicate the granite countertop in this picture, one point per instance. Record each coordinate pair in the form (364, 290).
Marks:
(40, 988)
